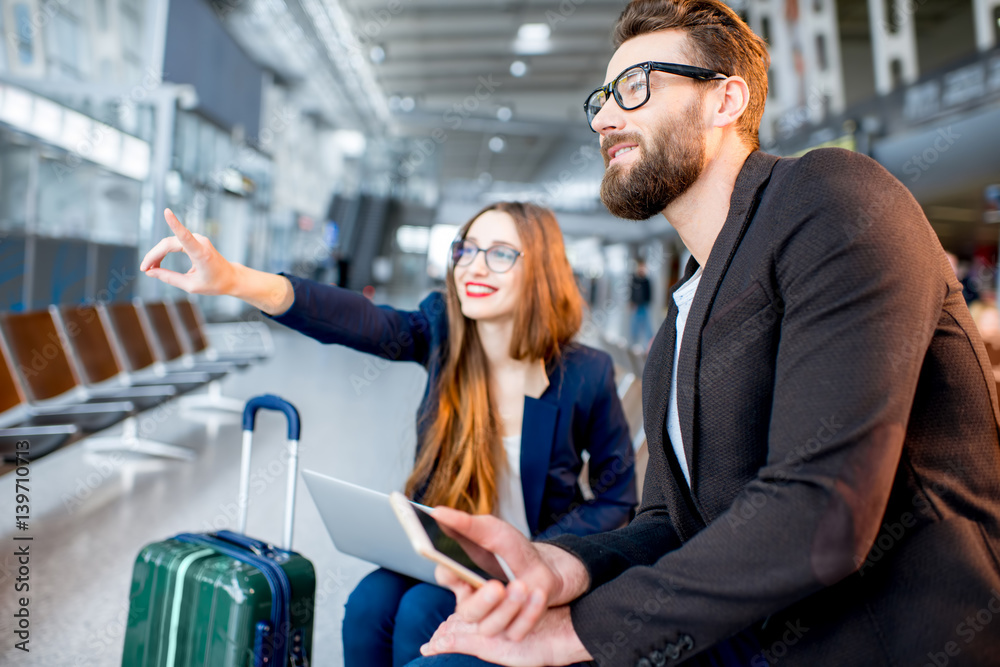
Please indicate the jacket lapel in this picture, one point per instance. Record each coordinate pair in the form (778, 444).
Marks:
(655, 402)
(538, 430)
(749, 186)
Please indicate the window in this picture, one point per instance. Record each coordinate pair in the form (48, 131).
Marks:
(25, 33)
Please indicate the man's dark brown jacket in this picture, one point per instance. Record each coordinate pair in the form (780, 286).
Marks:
(840, 417)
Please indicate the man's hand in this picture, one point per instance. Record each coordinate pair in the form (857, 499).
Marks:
(553, 642)
(544, 576)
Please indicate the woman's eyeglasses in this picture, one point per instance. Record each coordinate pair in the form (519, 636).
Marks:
(631, 88)
(499, 258)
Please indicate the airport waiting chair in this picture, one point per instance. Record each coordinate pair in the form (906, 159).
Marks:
(632, 406)
(993, 352)
(131, 337)
(232, 339)
(129, 340)
(46, 428)
(39, 350)
(188, 320)
(167, 345)
(637, 355)
(90, 345)
(171, 352)
(625, 368)
(630, 394)
(51, 381)
(41, 438)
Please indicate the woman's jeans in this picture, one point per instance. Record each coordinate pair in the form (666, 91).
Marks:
(389, 617)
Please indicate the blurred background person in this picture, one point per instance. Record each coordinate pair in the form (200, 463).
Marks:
(640, 294)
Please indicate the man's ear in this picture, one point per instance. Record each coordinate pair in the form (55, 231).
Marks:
(731, 101)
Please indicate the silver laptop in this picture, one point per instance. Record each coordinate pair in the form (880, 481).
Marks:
(362, 524)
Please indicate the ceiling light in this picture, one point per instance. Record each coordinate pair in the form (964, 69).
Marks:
(534, 32)
(533, 38)
(47, 121)
(497, 144)
(16, 108)
(518, 68)
(504, 114)
(351, 142)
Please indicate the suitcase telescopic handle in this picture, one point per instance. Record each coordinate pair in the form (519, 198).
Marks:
(270, 402)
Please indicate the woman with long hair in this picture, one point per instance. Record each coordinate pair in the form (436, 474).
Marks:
(511, 403)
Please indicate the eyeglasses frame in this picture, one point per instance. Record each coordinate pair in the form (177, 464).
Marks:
(519, 254)
(611, 90)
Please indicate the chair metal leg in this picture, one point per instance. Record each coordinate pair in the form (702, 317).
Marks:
(212, 400)
(129, 441)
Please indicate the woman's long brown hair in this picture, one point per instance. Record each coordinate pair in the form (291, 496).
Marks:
(462, 453)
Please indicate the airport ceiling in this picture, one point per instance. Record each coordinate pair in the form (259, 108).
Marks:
(444, 70)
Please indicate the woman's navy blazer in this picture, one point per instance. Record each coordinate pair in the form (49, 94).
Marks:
(579, 411)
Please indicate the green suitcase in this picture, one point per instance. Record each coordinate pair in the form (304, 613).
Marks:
(224, 599)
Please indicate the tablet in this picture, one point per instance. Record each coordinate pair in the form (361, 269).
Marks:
(362, 524)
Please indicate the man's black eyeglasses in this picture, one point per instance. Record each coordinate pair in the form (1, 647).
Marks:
(631, 88)
(499, 258)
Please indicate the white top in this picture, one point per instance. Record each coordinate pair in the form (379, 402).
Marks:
(510, 507)
(683, 298)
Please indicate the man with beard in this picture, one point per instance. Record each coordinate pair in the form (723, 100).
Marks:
(821, 414)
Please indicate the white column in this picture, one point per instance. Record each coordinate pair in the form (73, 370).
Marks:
(983, 18)
(783, 95)
(888, 46)
(822, 22)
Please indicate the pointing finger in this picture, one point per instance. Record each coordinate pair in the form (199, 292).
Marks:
(187, 240)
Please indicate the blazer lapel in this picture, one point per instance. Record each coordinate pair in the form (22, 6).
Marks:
(537, 433)
(655, 402)
(749, 186)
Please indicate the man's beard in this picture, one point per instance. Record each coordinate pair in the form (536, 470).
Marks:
(669, 163)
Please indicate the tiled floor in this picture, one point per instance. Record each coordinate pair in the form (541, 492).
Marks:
(90, 514)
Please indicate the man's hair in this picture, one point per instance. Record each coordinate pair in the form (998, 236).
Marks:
(719, 39)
